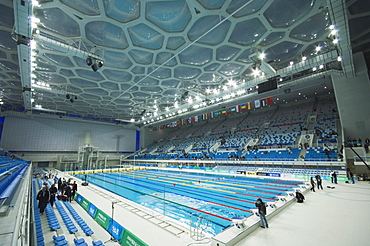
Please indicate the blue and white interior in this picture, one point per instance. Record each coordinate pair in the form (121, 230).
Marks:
(218, 102)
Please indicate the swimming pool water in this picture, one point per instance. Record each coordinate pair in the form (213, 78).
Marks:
(184, 196)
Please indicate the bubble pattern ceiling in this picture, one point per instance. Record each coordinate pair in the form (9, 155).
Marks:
(155, 51)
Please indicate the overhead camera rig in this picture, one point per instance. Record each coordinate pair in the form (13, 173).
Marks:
(76, 46)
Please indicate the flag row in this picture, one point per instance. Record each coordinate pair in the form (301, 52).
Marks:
(225, 111)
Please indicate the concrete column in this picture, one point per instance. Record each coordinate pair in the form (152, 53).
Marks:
(353, 100)
(87, 139)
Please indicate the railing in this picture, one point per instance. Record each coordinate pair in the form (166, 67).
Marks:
(22, 227)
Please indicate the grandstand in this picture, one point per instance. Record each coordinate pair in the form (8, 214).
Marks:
(173, 117)
(278, 143)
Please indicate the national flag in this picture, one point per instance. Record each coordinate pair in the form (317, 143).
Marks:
(223, 112)
(233, 109)
(257, 103)
(263, 102)
(249, 105)
(243, 107)
(270, 101)
(228, 110)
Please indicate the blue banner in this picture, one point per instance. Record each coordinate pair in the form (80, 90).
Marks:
(274, 174)
(92, 210)
(116, 230)
(79, 199)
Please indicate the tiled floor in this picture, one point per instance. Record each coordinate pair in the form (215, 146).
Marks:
(339, 216)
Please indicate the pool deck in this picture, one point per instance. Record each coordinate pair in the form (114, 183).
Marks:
(319, 219)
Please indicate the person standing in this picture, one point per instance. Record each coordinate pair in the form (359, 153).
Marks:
(262, 212)
(312, 184)
(319, 182)
(335, 177)
(64, 187)
(60, 185)
(350, 176)
(43, 196)
(68, 193)
(74, 189)
(53, 191)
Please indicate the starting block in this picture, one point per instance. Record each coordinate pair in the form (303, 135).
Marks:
(239, 222)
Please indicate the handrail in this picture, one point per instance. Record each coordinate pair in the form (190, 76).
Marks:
(23, 222)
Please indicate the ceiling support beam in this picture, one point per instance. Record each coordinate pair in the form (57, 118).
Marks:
(22, 34)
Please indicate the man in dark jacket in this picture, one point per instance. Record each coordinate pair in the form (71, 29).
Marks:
(60, 184)
(262, 212)
(43, 197)
(53, 191)
(68, 193)
(64, 188)
(319, 182)
(74, 189)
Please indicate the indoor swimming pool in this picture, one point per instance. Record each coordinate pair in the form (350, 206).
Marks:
(204, 200)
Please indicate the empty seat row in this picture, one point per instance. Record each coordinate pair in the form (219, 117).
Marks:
(60, 240)
(67, 220)
(87, 230)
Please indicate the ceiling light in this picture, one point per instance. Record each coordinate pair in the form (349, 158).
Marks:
(304, 58)
(335, 41)
(331, 27)
(291, 63)
(262, 56)
(256, 72)
(318, 48)
(339, 58)
(94, 67)
(89, 61)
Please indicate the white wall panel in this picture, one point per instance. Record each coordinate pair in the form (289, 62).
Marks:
(44, 134)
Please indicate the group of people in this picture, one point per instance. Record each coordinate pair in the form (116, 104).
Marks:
(66, 190)
(318, 181)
